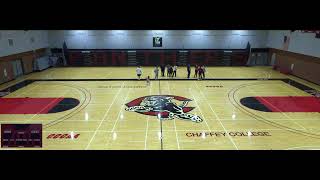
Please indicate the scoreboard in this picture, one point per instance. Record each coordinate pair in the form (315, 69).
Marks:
(21, 135)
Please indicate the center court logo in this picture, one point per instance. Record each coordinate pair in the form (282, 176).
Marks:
(165, 106)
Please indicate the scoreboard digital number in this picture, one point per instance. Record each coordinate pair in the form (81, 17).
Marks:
(21, 135)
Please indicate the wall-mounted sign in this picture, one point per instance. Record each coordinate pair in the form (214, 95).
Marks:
(286, 41)
(157, 41)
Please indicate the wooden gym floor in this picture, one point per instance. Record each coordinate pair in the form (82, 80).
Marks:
(108, 117)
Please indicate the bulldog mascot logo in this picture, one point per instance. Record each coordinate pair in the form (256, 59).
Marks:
(164, 106)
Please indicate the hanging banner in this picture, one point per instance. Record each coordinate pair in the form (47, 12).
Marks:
(157, 41)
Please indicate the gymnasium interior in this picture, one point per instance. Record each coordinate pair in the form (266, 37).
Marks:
(79, 89)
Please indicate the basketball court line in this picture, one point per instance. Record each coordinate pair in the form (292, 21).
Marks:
(266, 74)
(121, 109)
(105, 115)
(209, 73)
(108, 74)
(19, 95)
(167, 79)
(262, 119)
(10, 83)
(252, 89)
(136, 141)
(188, 141)
(216, 79)
(169, 130)
(295, 94)
(115, 123)
(217, 118)
(146, 136)
(283, 119)
(44, 108)
(288, 88)
(163, 130)
(82, 91)
(222, 119)
(298, 147)
(196, 102)
(148, 118)
(174, 121)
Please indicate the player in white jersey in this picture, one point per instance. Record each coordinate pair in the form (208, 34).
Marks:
(139, 72)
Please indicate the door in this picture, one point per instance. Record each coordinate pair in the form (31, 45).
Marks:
(273, 59)
(17, 68)
(252, 59)
(14, 67)
(261, 59)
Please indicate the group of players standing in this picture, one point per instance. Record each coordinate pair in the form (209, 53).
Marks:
(199, 71)
(171, 71)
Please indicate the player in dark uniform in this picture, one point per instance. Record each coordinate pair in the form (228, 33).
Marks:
(195, 71)
(162, 67)
(189, 70)
(168, 70)
(203, 71)
(200, 72)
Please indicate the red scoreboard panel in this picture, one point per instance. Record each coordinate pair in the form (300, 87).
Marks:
(21, 135)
